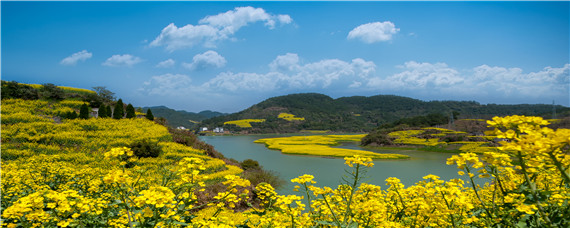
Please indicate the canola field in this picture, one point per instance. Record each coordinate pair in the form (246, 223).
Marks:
(61, 173)
(290, 117)
(321, 145)
(78, 173)
(245, 123)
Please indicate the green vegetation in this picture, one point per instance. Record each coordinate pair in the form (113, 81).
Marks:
(363, 114)
(80, 173)
(119, 110)
(178, 118)
(146, 149)
(149, 114)
(84, 111)
(131, 111)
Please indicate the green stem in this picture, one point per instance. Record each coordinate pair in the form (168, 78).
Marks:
(533, 189)
(477, 194)
(332, 212)
(448, 207)
(348, 210)
(308, 197)
(559, 166)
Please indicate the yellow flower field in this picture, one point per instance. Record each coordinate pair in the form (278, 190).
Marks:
(65, 88)
(78, 173)
(320, 145)
(289, 117)
(245, 123)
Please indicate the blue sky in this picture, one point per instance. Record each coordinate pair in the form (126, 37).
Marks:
(227, 56)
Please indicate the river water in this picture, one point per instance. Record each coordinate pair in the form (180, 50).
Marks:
(329, 171)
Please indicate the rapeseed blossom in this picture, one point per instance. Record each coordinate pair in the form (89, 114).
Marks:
(55, 175)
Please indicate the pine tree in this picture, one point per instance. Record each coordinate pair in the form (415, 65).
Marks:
(109, 111)
(131, 111)
(149, 115)
(119, 110)
(103, 111)
(84, 111)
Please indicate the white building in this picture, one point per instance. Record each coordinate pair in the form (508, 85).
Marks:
(219, 130)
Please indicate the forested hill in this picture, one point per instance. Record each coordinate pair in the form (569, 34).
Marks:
(361, 114)
(178, 118)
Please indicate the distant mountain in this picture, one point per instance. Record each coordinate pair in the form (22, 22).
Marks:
(361, 114)
(178, 118)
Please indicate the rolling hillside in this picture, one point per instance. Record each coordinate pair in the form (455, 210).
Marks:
(178, 118)
(359, 113)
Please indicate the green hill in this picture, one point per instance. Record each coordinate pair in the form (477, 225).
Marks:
(178, 118)
(359, 113)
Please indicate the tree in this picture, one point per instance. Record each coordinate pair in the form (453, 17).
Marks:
(103, 111)
(104, 93)
(50, 91)
(131, 111)
(118, 111)
(93, 99)
(149, 115)
(84, 111)
(109, 111)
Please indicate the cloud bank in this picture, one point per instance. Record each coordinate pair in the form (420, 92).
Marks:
(288, 73)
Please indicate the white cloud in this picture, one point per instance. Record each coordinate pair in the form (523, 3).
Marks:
(355, 84)
(512, 81)
(246, 82)
(215, 28)
(75, 57)
(206, 60)
(284, 19)
(419, 76)
(167, 84)
(374, 32)
(287, 73)
(493, 83)
(166, 63)
(287, 62)
(122, 60)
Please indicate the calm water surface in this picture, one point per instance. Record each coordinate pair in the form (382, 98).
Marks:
(328, 171)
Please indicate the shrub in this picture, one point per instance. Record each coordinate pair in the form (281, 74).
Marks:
(16, 90)
(50, 91)
(257, 176)
(145, 149)
(250, 164)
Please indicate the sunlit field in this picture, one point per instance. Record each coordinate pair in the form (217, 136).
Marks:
(81, 173)
(321, 145)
